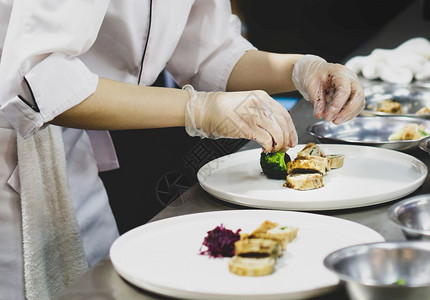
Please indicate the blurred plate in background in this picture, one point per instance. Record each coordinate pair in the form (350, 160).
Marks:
(411, 97)
(369, 131)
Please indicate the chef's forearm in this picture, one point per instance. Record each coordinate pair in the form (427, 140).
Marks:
(119, 106)
(261, 70)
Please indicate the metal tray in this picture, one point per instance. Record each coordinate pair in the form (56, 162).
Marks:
(411, 97)
(370, 131)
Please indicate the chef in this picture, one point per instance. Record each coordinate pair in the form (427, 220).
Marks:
(71, 70)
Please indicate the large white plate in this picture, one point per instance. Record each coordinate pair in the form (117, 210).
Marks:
(369, 176)
(163, 256)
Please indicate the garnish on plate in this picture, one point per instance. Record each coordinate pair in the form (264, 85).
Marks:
(220, 242)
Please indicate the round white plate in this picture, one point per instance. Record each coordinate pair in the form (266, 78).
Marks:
(163, 256)
(370, 175)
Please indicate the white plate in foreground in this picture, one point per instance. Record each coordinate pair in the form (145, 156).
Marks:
(370, 175)
(163, 256)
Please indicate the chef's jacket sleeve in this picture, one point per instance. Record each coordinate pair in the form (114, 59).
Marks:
(41, 74)
(209, 48)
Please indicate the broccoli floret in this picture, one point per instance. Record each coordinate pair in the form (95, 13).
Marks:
(274, 165)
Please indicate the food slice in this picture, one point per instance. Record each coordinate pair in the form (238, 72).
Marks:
(272, 230)
(304, 165)
(282, 232)
(305, 182)
(257, 247)
(311, 149)
(320, 159)
(264, 227)
(256, 252)
(245, 266)
(335, 160)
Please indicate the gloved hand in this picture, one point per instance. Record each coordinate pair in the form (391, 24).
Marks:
(334, 90)
(252, 115)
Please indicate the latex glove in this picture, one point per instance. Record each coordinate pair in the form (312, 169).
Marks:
(334, 90)
(252, 115)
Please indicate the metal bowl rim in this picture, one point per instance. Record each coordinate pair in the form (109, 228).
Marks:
(309, 130)
(392, 213)
(419, 245)
(423, 144)
(371, 113)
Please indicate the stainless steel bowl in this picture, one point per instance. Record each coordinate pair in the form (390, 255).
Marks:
(369, 131)
(412, 215)
(424, 144)
(384, 270)
(411, 97)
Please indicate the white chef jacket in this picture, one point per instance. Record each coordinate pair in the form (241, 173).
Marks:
(52, 54)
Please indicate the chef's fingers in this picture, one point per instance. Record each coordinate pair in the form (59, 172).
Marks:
(308, 76)
(264, 138)
(353, 107)
(339, 83)
(318, 99)
(329, 87)
(274, 127)
(251, 115)
(286, 124)
(290, 133)
(294, 139)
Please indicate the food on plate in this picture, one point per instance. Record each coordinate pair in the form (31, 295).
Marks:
(245, 266)
(306, 165)
(306, 171)
(257, 247)
(311, 149)
(219, 242)
(274, 165)
(304, 182)
(253, 254)
(411, 131)
(261, 247)
(335, 161)
(423, 111)
(389, 106)
(282, 233)
(272, 230)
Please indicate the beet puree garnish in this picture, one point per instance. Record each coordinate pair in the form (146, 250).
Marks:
(220, 242)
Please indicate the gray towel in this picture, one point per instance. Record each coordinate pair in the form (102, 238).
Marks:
(53, 251)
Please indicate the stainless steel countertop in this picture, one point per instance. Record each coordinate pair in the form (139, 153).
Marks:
(102, 282)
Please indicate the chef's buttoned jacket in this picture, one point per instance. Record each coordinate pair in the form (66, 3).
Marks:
(52, 55)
